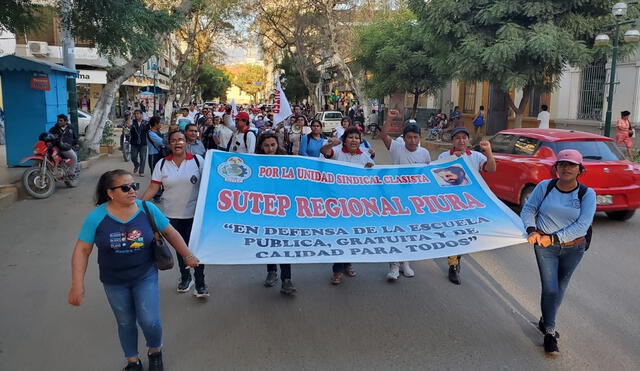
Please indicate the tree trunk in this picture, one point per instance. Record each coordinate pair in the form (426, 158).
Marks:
(105, 101)
(519, 110)
(414, 107)
(168, 106)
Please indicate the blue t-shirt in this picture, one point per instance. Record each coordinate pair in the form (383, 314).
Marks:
(310, 146)
(560, 213)
(124, 252)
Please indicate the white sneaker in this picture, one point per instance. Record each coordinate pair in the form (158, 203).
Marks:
(406, 269)
(394, 272)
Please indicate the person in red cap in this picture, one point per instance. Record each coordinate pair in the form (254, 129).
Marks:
(480, 162)
(558, 217)
(244, 141)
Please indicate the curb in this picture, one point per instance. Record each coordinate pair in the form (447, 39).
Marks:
(10, 193)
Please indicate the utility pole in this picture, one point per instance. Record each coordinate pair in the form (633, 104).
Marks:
(69, 61)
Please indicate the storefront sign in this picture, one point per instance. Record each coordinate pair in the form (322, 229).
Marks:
(91, 77)
(40, 82)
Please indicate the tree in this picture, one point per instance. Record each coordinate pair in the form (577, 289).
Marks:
(251, 79)
(213, 82)
(399, 58)
(129, 32)
(18, 16)
(516, 44)
(293, 85)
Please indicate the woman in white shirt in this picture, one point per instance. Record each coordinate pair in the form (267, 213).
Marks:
(346, 151)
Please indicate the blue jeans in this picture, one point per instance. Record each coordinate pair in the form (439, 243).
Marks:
(139, 157)
(556, 265)
(137, 302)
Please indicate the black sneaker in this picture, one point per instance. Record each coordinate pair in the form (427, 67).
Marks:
(137, 366)
(201, 291)
(544, 331)
(287, 287)
(185, 284)
(272, 278)
(155, 361)
(454, 274)
(550, 343)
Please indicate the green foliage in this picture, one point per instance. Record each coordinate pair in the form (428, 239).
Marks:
(251, 79)
(120, 28)
(293, 85)
(515, 43)
(213, 82)
(399, 57)
(107, 134)
(19, 16)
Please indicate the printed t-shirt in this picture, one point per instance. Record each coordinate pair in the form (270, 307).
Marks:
(401, 155)
(476, 158)
(181, 185)
(124, 252)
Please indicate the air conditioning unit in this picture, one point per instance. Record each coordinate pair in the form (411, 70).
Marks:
(38, 48)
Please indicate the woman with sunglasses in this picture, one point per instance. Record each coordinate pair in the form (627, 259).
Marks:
(347, 151)
(311, 143)
(557, 217)
(179, 174)
(268, 145)
(122, 232)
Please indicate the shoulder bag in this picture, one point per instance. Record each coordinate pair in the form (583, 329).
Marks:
(161, 252)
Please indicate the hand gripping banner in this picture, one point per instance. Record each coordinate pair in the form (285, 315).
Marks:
(259, 209)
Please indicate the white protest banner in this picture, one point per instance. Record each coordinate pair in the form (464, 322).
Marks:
(258, 209)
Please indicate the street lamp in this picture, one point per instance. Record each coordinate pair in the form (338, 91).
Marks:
(619, 11)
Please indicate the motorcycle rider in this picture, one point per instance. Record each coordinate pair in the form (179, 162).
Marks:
(68, 142)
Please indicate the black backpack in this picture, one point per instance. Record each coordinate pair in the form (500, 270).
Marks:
(581, 192)
(244, 137)
(194, 157)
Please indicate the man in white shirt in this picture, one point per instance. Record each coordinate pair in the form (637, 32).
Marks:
(244, 140)
(543, 117)
(407, 151)
(193, 111)
(480, 162)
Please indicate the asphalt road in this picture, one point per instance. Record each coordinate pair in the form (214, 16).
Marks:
(421, 323)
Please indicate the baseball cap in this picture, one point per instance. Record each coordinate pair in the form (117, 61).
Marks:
(242, 116)
(459, 129)
(570, 155)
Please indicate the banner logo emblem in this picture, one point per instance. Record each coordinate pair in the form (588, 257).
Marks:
(234, 170)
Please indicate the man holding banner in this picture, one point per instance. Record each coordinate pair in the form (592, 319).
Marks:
(479, 162)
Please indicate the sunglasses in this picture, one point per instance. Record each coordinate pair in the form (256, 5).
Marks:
(127, 187)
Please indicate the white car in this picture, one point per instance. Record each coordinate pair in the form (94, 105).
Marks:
(330, 120)
(83, 122)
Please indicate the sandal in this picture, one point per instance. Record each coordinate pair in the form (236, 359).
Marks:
(336, 278)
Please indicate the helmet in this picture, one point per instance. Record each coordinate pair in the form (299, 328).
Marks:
(47, 137)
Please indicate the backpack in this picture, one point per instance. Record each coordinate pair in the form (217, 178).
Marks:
(194, 157)
(163, 151)
(244, 137)
(581, 192)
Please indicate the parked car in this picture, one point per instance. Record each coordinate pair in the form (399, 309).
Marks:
(330, 120)
(83, 122)
(525, 157)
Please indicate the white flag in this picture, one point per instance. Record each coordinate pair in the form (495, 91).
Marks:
(281, 109)
(234, 109)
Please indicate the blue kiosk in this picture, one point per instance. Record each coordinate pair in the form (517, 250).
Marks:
(34, 93)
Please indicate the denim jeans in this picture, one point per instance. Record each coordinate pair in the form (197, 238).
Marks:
(137, 302)
(139, 157)
(183, 226)
(285, 270)
(556, 265)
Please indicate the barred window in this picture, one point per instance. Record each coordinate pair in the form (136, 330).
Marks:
(469, 104)
(592, 91)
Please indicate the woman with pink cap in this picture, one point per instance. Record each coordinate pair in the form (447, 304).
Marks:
(558, 216)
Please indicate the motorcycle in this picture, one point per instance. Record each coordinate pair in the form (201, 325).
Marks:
(48, 167)
(125, 144)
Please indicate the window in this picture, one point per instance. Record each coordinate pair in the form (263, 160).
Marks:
(469, 98)
(592, 91)
(592, 150)
(502, 143)
(333, 115)
(525, 146)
